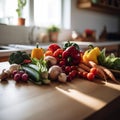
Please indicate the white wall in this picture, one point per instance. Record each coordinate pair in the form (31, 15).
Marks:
(82, 19)
(74, 19)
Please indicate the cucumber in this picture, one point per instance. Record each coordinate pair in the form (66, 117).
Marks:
(33, 74)
(33, 66)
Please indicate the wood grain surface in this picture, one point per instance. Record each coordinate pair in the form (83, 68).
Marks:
(74, 100)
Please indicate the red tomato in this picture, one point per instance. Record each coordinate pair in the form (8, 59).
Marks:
(69, 78)
(80, 74)
(73, 73)
(93, 70)
(73, 68)
(90, 76)
(62, 63)
(67, 69)
(85, 74)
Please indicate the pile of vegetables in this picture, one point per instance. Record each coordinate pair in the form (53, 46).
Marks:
(61, 64)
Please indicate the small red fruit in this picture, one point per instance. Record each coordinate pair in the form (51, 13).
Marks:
(73, 73)
(84, 74)
(69, 78)
(62, 63)
(94, 70)
(80, 74)
(73, 68)
(67, 69)
(90, 76)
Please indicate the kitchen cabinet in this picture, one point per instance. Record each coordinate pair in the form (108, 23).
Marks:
(4, 58)
(104, 7)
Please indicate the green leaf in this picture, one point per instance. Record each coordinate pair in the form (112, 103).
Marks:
(110, 61)
(101, 58)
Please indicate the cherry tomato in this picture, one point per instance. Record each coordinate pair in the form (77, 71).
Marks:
(62, 63)
(80, 74)
(90, 76)
(84, 74)
(73, 68)
(63, 68)
(73, 73)
(67, 69)
(93, 70)
(69, 78)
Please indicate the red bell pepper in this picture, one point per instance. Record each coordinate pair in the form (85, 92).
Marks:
(53, 47)
(26, 61)
(71, 56)
(58, 54)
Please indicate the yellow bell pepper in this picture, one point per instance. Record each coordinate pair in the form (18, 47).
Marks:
(37, 52)
(91, 55)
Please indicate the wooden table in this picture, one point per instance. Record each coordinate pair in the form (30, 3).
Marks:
(75, 100)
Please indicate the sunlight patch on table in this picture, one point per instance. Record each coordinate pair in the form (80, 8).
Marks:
(87, 100)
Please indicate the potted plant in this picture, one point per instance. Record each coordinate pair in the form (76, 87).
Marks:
(53, 32)
(19, 10)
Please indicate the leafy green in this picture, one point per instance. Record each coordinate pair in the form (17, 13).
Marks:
(101, 57)
(41, 63)
(18, 57)
(43, 69)
(110, 61)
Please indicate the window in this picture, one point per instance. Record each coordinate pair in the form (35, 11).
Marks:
(37, 12)
(47, 12)
(7, 11)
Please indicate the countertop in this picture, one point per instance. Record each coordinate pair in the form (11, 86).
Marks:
(28, 48)
(106, 43)
(74, 100)
(99, 44)
(18, 47)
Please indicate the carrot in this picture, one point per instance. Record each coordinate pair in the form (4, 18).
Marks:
(100, 73)
(84, 66)
(92, 64)
(81, 70)
(109, 74)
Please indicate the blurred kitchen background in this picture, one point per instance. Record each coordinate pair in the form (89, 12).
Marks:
(73, 21)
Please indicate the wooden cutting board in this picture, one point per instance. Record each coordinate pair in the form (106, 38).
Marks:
(74, 100)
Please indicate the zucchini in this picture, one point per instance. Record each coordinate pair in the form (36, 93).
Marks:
(33, 66)
(33, 74)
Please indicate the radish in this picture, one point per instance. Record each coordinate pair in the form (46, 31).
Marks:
(17, 77)
(24, 77)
